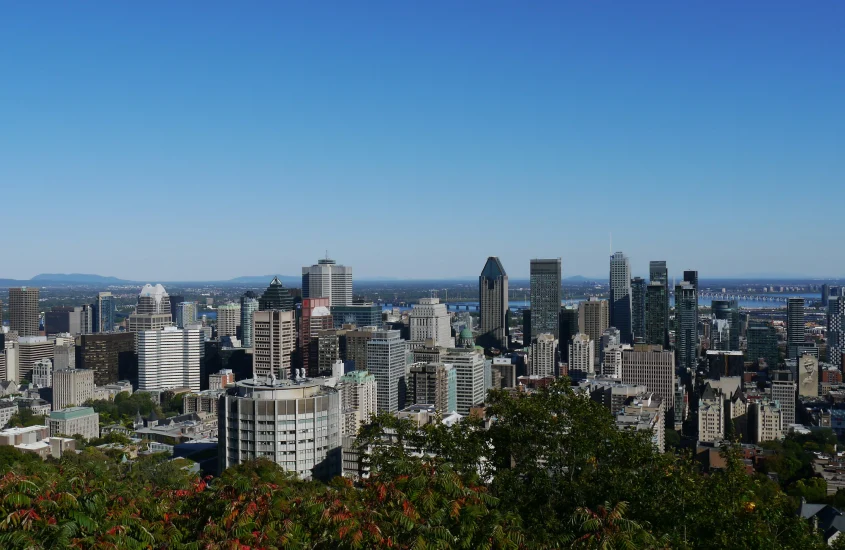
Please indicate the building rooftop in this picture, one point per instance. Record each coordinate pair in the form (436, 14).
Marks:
(71, 413)
(20, 431)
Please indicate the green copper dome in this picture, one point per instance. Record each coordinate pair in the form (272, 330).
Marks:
(466, 334)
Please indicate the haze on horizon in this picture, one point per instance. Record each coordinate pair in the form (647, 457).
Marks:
(206, 141)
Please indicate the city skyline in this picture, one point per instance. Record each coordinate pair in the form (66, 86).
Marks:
(356, 114)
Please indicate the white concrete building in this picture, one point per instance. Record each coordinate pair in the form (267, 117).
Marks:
(542, 356)
(358, 400)
(326, 279)
(386, 361)
(611, 366)
(430, 320)
(169, 358)
(765, 421)
(582, 354)
(42, 373)
(72, 387)
(75, 420)
(469, 364)
(228, 320)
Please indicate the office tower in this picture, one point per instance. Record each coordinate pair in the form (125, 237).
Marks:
(526, 327)
(326, 279)
(62, 319)
(249, 305)
(638, 309)
(365, 314)
(545, 297)
(542, 356)
(825, 294)
(611, 363)
(169, 358)
(386, 361)
(620, 296)
(103, 312)
(110, 356)
(493, 305)
(430, 320)
(328, 349)
(153, 311)
(274, 342)
(795, 328)
(686, 324)
(219, 380)
(309, 407)
(358, 400)
(720, 334)
(728, 310)
(567, 328)
(72, 387)
(42, 373)
(30, 350)
(433, 384)
(469, 365)
(654, 368)
(763, 344)
(186, 314)
(64, 353)
(228, 320)
(356, 346)
(582, 355)
(784, 392)
(691, 276)
(23, 311)
(835, 328)
(593, 318)
(808, 376)
(315, 318)
(658, 273)
(276, 297)
(174, 303)
(724, 363)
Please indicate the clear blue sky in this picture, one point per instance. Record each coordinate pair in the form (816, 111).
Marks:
(197, 140)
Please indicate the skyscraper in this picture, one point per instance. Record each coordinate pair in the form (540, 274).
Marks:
(593, 318)
(654, 368)
(620, 296)
(228, 319)
(763, 344)
(169, 358)
(326, 279)
(657, 315)
(386, 361)
(315, 318)
(249, 305)
(825, 294)
(568, 328)
(430, 321)
(276, 297)
(104, 309)
(493, 304)
(274, 342)
(728, 310)
(795, 329)
(835, 328)
(686, 324)
(433, 384)
(469, 364)
(582, 355)
(545, 297)
(23, 311)
(638, 309)
(542, 356)
(153, 311)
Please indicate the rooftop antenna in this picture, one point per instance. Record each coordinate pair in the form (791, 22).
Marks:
(327, 254)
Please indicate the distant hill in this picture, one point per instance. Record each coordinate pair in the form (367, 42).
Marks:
(265, 279)
(577, 279)
(79, 278)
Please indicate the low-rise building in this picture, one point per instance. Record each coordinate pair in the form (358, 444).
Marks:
(645, 412)
(75, 420)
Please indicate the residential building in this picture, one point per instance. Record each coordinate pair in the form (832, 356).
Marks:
(542, 356)
(638, 309)
(249, 305)
(103, 313)
(686, 324)
(795, 326)
(620, 296)
(358, 399)
(611, 364)
(711, 415)
(74, 420)
(582, 355)
(593, 318)
(433, 384)
(493, 305)
(72, 387)
(186, 314)
(836, 328)
(24, 316)
(365, 314)
(765, 421)
(327, 279)
(469, 364)
(654, 368)
(386, 361)
(784, 393)
(228, 319)
(205, 401)
(169, 358)
(111, 356)
(613, 394)
(645, 412)
(274, 342)
(276, 297)
(430, 320)
(296, 424)
(545, 298)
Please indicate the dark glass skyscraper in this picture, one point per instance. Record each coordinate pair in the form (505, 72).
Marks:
(620, 296)
(729, 310)
(795, 330)
(657, 315)
(686, 324)
(638, 309)
(104, 308)
(493, 304)
(568, 328)
(276, 297)
(545, 297)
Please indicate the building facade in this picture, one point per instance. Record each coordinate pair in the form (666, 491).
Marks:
(274, 342)
(638, 309)
(620, 296)
(493, 305)
(430, 320)
(110, 356)
(103, 313)
(593, 318)
(74, 420)
(24, 316)
(228, 319)
(545, 297)
(542, 355)
(169, 358)
(582, 355)
(386, 362)
(686, 324)
(433, 384)
(327, 279)
(654, 368)
(72, 387)
(249, 305)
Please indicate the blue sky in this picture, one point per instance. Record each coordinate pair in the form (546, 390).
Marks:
(201, 140)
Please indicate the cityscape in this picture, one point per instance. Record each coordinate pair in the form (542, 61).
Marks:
(418, 276)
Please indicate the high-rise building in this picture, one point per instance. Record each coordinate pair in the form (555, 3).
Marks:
(315, 318)
(430, 320)
(169, 358)
(582, 355)
(593, 318)
(686, 324)
(658, 273)
(728, 310)
(186, 314)
(228, 319)
(297, 425)
(638, 309)
(358, 400)
(276, 297)
(30, 350)
(433, 384)
(784, 393)
(110, 356)
(42, 373)
(64, 352)
(545, 297)
(620, 296)
(153, 311)
(274, 342)
(356, 346)
(611, 363)
(24, 317)
(327, 279)
(825, 294)
(795, 327)
(657, 315)
(724, 363)
(61, 319)
(72, 387)
(808, 376)
(174, 304)
(654, 368)
(835, 328)
(358, 314)
(386, 361)
(765, 420)
(103, 312)
(568, 327)
(249, 305)
(469, 364)
(763, 344)
(493, 304)
(542, 355)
